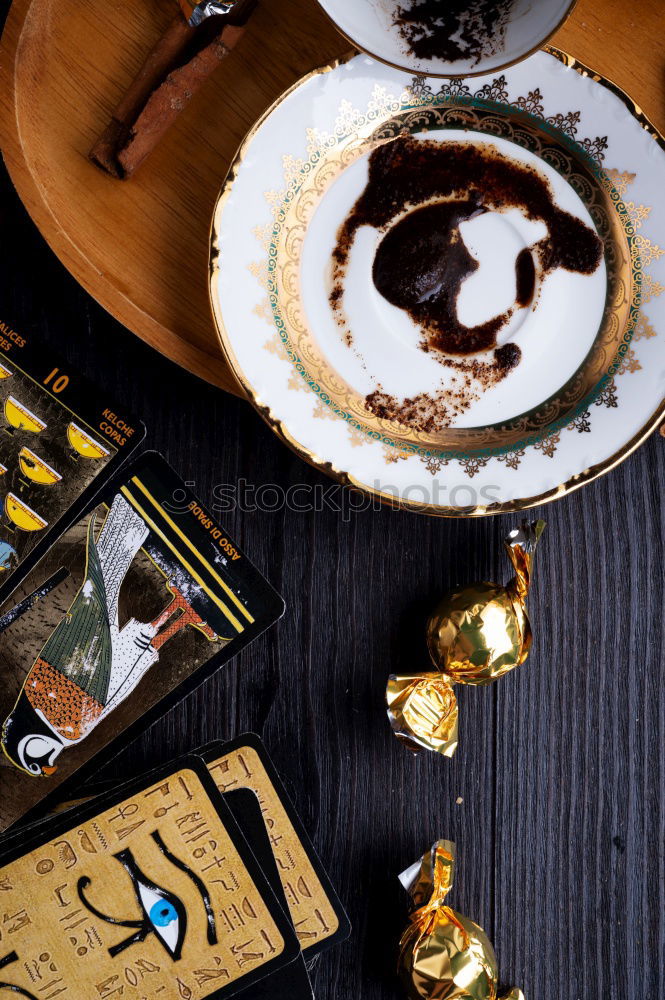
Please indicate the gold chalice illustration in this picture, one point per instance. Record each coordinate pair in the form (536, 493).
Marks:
(5, 372)
(36, 469)
(21, 515)
(83, 444)
(21, 418)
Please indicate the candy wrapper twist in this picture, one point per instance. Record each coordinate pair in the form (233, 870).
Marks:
(476, 635)
(196, 13)
(443, 955)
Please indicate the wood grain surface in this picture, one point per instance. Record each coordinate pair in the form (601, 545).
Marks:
(141, 247)
(556, 797)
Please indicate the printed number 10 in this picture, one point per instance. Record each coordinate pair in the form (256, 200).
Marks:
(60, 383)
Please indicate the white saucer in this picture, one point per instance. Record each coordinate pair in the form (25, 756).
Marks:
(589, 387)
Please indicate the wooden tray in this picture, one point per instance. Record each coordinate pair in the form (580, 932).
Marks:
(140, 247)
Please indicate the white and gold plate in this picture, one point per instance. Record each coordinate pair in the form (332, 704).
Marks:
(590, 385)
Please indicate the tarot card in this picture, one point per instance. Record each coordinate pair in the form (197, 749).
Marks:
(60, 438)
(292, 982)
(318, 916)
(149, 891)
(134, 605)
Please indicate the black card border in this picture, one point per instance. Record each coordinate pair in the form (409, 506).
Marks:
(268, 863)
(219, 748)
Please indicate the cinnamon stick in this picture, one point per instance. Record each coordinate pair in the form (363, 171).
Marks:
(173, 72)
(171, 97)
(165, 53)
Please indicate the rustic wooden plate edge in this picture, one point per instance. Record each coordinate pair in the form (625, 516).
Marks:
(206, 366)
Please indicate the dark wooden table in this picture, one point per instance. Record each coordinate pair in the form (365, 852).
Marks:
(556, 795)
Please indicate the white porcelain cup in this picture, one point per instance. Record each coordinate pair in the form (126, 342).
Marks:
(372, 26)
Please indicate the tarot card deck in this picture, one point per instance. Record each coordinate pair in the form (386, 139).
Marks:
(152, 888)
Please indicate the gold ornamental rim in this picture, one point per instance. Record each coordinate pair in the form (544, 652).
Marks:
(298, 335)
(453, 76)
(341, 476)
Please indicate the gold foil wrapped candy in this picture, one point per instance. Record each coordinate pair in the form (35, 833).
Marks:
(476, 635)
(443, 955)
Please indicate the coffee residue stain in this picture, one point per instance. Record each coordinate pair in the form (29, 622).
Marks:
(418, 194)
(421, 265)
(428, 412)
(453, 30)
(507, 357)
(525, 275)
